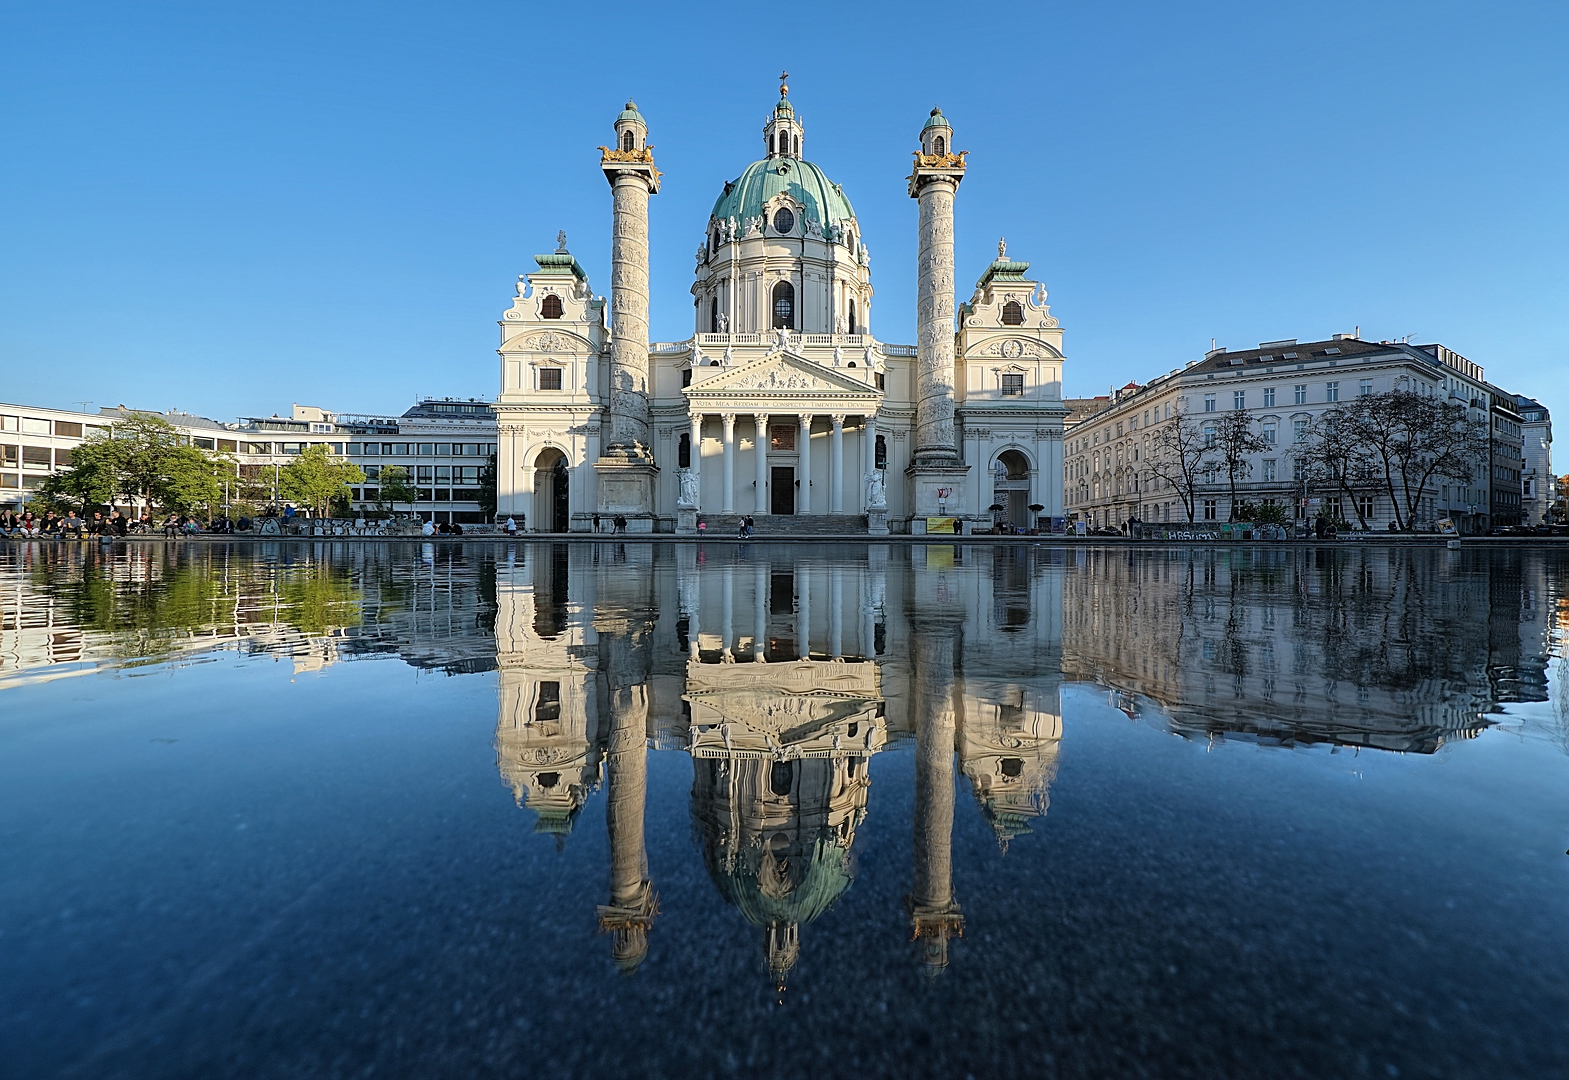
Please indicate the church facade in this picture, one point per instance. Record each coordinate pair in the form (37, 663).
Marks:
(783, 404)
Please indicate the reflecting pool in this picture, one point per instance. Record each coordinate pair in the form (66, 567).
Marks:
(669, 810)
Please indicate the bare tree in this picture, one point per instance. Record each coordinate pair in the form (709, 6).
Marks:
(1335, 455)
(1178, 454)
(1235, 440)
(1399, 443)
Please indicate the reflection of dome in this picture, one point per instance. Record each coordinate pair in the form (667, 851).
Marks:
(821, 198)
(771, 887)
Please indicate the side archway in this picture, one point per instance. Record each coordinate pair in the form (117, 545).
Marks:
(551, 511)
(1011, 471)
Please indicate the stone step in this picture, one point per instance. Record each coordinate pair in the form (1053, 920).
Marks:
(787, 524)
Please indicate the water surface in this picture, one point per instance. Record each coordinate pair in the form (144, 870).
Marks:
(575, 810)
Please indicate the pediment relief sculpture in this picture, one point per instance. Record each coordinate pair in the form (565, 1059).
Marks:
(782, 373)
(549, 341)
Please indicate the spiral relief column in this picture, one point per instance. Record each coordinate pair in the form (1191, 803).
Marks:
(936, 473)
(626, 468)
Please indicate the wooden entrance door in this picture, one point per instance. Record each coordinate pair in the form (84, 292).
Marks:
(782, 493)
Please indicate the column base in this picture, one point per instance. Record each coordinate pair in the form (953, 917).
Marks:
(938, 489)
(626, 488)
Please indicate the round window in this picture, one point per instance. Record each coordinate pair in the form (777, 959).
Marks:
(784, 221)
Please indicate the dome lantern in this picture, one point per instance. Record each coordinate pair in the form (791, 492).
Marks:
(936, 134)
(783, 132)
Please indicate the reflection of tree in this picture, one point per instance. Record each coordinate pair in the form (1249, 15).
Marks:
(319, 598)
(1389, 647)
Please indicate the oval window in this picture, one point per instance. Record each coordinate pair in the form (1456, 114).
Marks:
(784, 221)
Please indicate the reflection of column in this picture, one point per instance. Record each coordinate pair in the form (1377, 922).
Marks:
(836, 612)
(803, 505)
(696, 444)
(761, 420)
(836, 467)
(760, 612)
(727, 619)
(934, 913)
(727, 497)
(803, 613)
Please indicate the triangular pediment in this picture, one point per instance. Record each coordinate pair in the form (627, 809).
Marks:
(782, 373)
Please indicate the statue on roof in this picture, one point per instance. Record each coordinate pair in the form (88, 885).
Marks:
(561, 242)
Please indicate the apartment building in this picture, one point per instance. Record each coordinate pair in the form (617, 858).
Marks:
(1536, 484)
(1507, 459)
(1285, 385)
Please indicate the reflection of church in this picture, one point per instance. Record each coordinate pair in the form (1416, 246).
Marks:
(783, 403)
(782, 679)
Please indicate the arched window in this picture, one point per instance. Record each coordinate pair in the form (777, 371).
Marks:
(784, 221)
(626, 140)
(880, 454)
(713, 316)
(940, 145)
(684, 452)
(550, 307)
(1012, 314)
(798, 146)
(853, 330)
(784, 304)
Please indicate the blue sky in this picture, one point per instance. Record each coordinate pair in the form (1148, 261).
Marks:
(229, 208)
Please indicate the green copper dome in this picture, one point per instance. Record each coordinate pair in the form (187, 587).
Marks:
(936, 120)
(745, 197)
(631, 113)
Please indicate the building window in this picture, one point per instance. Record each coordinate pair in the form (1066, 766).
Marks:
(1209, 402)
(684, 452)
(548, 706)
(1209, 434)
(686, 376)
(713, 316)
(880, 454)
(1269, 434)
(882, 381)
(1365, 388)
(781, 438)
(784, 301)
(1299, 391)
(1013, 386)
(1012, 314)
(853, 330)
(1269, 397)
(1365, 504)
(1332, 391)
(1239, 399)
(626, 140)
(550, 378)
(1299, 430)
(784, 221)
(1211, 509)
(550, 307)
(1269, 470)
(1298, 470)
(940, 145)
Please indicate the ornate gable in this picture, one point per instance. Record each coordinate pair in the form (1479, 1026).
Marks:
(783, 374)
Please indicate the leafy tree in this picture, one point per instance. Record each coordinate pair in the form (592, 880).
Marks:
(487, 488)
(1178, 454)
(1235, 440)
(396, 486)
(143, 458)
(317, 477)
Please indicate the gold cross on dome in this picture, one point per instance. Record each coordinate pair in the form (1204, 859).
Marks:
(783, 89)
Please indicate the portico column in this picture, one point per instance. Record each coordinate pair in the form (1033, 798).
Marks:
(759, 612)
(803, 505)
(803, 613)
(869, 452)
(727, 499)
(696, 444)
(761, 420)
(836, 468)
